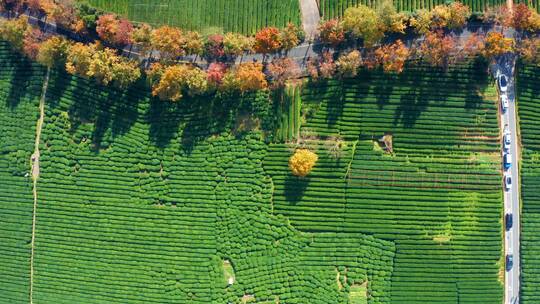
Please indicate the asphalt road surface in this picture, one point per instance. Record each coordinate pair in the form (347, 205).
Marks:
(505, 66)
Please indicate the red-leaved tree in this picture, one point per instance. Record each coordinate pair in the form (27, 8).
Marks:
(214, 47)
(331, 32)
(281, 70)
(215, 74)
(437, 49)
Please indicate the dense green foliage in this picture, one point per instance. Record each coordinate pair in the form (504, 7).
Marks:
(528, 86)
(141, 201)
(20, 87)
(243, 16)
(335, 8)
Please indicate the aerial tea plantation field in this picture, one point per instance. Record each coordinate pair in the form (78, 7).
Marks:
(335, 8)
(436, 196)
(245, 16)
(20, 89)
(528, 90)
(142, 201)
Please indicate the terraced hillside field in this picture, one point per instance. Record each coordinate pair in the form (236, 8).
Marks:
(437, 196)
(20, 88)
(528, 85)
(245, 16)
(335, 8)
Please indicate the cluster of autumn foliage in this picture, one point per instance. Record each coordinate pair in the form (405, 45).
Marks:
(372, 24)
(172, 81)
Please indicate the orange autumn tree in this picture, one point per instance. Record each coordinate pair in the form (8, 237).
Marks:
(302, 162)
(496, 44)
(251, 77)
(529, 50)
(393, 56)
(331, 32)
(169, 41)
(267, 40)
(438, 48)
(33, 38)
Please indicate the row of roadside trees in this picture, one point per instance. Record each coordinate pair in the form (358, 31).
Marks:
(171, 80)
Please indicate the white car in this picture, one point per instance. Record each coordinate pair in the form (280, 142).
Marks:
(506, 141)
(503, 83)
(507, 182)
(504, 102)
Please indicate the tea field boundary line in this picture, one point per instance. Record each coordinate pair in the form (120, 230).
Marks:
(35, 176)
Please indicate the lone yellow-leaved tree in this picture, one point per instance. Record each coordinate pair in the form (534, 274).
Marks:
(302, 161)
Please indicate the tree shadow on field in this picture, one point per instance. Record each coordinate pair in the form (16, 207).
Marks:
(414, 102)
(107, 108)
(59, 81)
(20, 82)
(477, 84)
(295, 187)
(383, 89)
(335, 105)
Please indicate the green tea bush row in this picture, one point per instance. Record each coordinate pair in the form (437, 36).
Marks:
(20, 89)
(528, 88)
(245, 16)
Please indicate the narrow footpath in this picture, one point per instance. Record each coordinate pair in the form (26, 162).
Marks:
(35, 176)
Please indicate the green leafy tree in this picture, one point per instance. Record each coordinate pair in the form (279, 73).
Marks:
(390, 18)
(421, 21)
(363, 22)
(13, 31)
(53, 52)
(235, 44)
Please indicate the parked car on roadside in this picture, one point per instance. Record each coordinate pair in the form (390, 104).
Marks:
(503, 83)
(508, 220)
(506, 141)
(507, 182)
(504, 102)
(507, 161)
(509, 261)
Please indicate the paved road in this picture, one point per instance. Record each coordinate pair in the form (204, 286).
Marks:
(506, 66)
(310, 17)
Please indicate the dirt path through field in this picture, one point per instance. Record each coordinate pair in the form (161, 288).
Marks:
(35, 176)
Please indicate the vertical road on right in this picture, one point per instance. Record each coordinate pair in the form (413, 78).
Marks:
(510, 163)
